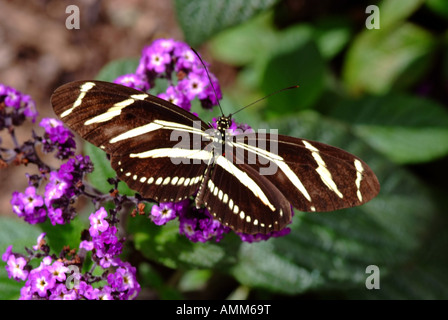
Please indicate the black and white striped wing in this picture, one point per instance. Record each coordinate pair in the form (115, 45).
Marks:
(140, 133)
(313, 176)
(252, 188)
(242, 199)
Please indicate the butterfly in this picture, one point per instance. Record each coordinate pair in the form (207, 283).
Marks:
(248, 182)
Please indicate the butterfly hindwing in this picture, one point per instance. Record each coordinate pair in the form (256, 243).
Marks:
(313, 176)
(240, 198)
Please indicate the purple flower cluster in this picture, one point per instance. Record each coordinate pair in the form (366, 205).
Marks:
(186, 77)
(62, 186)
(195, 224)
(198, 225)
(60, 278)
(57, 136)
(15, 107)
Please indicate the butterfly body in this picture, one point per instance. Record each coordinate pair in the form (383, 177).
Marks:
(248, 182)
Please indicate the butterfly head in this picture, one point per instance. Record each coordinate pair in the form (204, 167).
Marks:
(223, 123)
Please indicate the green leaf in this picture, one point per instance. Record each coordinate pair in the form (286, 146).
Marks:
(68, 234)
(395, 12)
(201, 19)
(438, 6)
(102, 171)
(245, 43)
(255, 39)
(406, 129)
(117, 68)
(425, 276)
(19, 234)
(380, 60)
(331, 35)
(302, 65)
(165, 245)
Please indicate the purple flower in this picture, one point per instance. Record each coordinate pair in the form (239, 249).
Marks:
(29, 106)
(25, 292)
(49, 124)
(55, 216)
(58, 270)
(87, 245)
(7, 253)
(17, 203)
(132, 80)
(60, 292)
(31, 200)
(162, 213)
(105, 294)
(109, 235)
(15, 268)
(40, 242)
(13, 98)
(55, 189)
(57, 137)
(28, 205)
(3, 89)
(164, 45)
(97, 222)
(66, 170)
(176, 97)
(194, 86)
(157, 61)
(186, 59)
(42, 281)
(202, 227)
(187, 227)
(18, 106)
(124, 280)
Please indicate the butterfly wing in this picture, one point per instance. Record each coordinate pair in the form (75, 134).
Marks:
(239, 197)
(140, 132)
(313, 176)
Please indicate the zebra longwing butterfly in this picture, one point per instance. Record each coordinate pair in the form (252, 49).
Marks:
(136, 129)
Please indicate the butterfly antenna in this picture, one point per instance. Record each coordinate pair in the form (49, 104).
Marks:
(209, 78)
(271, 94)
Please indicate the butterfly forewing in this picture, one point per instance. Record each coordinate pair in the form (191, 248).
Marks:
(141, 133)
(100, 112)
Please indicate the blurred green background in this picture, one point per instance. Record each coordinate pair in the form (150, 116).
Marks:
(373, 83)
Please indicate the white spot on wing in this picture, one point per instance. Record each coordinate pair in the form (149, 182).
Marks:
(136, 132)
(359, 171)
(322, 170)
(244, 179)
(174, 153)
(279, 161)
(85, 87)
(110, 113)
